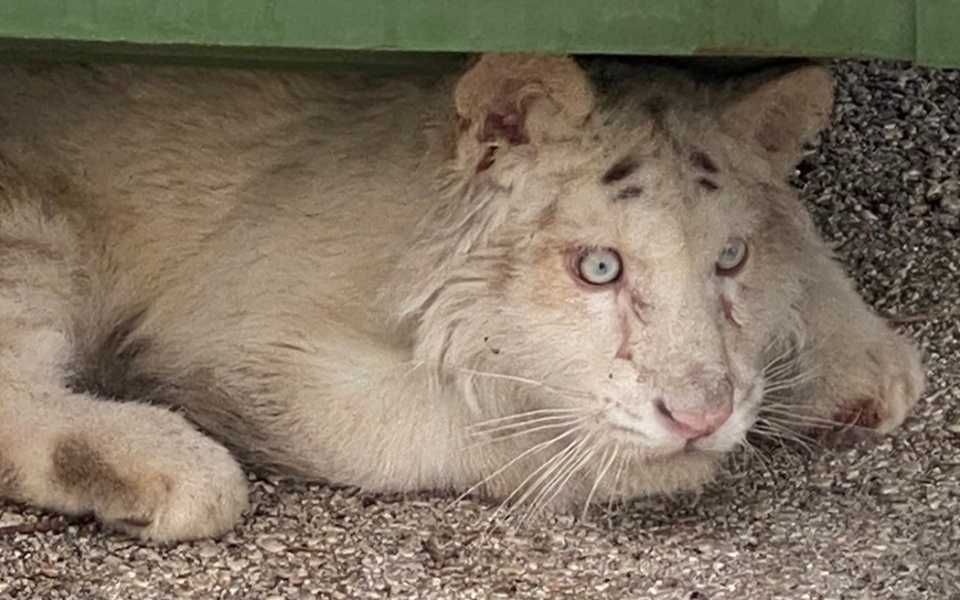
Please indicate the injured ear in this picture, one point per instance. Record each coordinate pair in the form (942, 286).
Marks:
(782, 115)
(514, 99)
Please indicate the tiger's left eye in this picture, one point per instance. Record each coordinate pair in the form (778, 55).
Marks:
(599, 267)
(732, 257)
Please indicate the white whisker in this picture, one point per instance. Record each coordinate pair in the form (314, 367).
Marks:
(770, 434)
(523, 380)
(487, 437)
(617, 493)
(780, 434)
(586, 454)
(776, 370)
(772, 387)
(792, 412)
(789, 378)
(515, 459)
(543, 412)
(787, 416)
(755, 452)
(606, 462)
(544, 473)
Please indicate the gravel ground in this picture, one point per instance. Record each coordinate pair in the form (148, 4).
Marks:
(880, 520)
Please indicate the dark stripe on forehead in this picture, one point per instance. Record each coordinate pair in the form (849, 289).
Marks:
(631, 191)
(620, 169)
(708, 184)
(703, 162)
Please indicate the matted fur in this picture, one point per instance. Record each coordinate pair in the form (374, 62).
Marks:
(377, 283)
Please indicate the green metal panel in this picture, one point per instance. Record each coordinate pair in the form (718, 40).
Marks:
(938, 32)
(294, 30)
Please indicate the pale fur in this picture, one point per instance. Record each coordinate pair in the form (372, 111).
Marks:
(317, 272)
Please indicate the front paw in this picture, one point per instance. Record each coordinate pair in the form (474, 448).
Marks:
(167, 482)
(873, 388)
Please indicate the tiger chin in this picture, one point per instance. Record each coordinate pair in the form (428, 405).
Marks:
(503, 283)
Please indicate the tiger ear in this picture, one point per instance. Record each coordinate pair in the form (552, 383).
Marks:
(780, 116)
(520, 99)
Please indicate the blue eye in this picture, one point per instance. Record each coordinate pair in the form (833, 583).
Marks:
(732, 257)
(599, 267)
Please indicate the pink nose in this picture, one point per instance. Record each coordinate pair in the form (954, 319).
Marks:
(695, 422)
